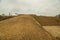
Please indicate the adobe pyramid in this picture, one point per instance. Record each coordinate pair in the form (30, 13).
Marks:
(23, 27)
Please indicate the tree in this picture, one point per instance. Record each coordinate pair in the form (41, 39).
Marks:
(3, 14)
(58, 16)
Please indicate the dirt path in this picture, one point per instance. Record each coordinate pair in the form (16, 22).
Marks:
(23, 27)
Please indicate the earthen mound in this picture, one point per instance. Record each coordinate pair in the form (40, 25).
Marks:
(23, 27)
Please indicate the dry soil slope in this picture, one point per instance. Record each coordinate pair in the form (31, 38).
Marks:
(23, 27)
(5, 17)
(51, 24)
(48, 21)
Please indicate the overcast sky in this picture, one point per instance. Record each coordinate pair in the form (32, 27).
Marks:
(39, 7)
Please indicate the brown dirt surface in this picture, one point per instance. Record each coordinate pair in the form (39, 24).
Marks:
(54, 30)
(50, 24)
(5, 17)
(48, 21)
(23, 27)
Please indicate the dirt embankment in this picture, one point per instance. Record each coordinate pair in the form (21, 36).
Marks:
(5, 17)
(51, 24)
(48, 21)
(23, 27)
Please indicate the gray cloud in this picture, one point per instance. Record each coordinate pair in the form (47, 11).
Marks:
(39, 7)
